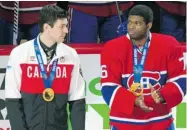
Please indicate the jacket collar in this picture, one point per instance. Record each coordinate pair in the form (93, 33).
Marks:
(60, 49)
(150, 36)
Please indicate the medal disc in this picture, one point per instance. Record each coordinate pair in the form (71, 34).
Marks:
(48, 94)
(136, 89)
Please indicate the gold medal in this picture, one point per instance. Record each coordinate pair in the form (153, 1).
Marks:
(136, 89)
(48, 94)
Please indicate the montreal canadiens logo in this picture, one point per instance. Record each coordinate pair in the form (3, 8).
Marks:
(148, 77)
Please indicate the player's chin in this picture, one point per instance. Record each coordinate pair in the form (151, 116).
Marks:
(61, 39)
(133, 37)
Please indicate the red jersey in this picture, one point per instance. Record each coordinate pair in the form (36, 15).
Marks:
(164, 69)
(29, 11)
(173, 7)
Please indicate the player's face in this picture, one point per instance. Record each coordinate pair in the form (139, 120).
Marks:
(59, 30)
(137, 27)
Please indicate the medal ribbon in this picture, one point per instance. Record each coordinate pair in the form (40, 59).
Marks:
(138, 67)
(47, 81)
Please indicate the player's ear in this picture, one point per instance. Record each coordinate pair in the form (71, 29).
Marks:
(149, 25)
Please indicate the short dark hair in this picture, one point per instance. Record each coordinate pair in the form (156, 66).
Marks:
(143, 11)
(50, 14)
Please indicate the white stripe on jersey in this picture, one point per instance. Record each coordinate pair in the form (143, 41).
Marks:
(139, 120)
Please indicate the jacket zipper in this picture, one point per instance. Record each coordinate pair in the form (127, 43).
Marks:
(45, 117)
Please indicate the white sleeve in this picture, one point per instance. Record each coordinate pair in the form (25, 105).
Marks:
(77, 84)
(13, 77)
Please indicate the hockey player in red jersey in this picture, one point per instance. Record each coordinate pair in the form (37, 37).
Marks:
(143, 76)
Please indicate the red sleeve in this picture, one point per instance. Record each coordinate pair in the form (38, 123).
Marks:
(114, 93)
(175, 88)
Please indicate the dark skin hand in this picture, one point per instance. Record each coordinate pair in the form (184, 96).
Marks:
(157, 97)
(140, 103)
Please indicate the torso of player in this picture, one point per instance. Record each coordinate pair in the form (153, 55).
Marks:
(32, 78)
(154, 72)
(32, 81)
(155, 67)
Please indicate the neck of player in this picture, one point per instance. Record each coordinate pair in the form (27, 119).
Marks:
(142, 41)
(46, 40)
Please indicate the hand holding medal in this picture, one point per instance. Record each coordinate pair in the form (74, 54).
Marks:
(137, 90)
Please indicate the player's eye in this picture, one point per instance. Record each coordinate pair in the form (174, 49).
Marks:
(138, 23)
(129, 22)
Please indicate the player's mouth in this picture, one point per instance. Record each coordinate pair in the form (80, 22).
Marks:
(132, 32)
